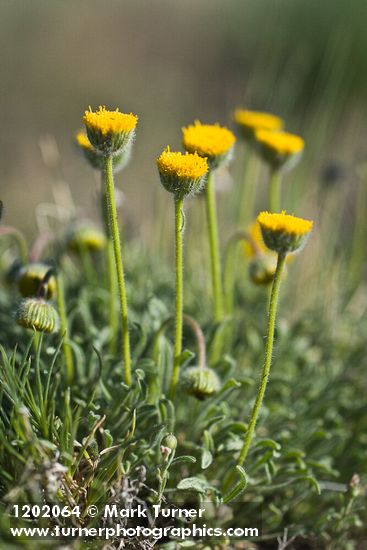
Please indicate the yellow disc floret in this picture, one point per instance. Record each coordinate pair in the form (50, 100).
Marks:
(182, 174)
(208, 140)
(281, 143)
(255, 120)
(283, 232)
(109, 122)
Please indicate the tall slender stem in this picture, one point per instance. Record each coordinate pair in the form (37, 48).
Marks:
(268, 356)
(275, 190)
(112, 216)
(111, 271)
(214, 248)
(64, 329)
(179, 230)
(247, 189)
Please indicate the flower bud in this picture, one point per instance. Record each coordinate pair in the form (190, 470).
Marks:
(30, 278)
(86, 237)
(200, 382)
(262, 269)
(37, 314)
(170, 441)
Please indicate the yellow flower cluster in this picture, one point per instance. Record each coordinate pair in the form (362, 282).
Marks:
(109, 122)
(182, 166)
(83, 141)
(255, 120)
(281, 143)
(284, 223)
(208, 140)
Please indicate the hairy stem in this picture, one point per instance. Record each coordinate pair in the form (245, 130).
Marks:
(214, 248)
(112, 216)
(179, 229)
(267, 361)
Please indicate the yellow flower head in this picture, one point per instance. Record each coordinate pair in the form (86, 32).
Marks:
(254, 244)
(83, 141)
(250, 121)
(109, 131)
(182, 174)
(208, 140)
(282, 232)
(279, 148)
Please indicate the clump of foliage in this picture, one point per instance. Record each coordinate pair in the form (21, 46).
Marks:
(77, 428)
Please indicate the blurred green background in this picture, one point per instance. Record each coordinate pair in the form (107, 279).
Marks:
(170, 62)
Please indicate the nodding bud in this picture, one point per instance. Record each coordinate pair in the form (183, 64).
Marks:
(200, 382)
(37, 314)
(262, 269)
(170, 441)
(86, 237)
(31, 277)
(168, 446)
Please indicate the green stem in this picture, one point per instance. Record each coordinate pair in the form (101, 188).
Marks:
(111, 272)
(179, 230)
(112, 216)
(112, 283)
(275, 190)
(267, 361)
(248, 189)
(214, 248)
(64, 329)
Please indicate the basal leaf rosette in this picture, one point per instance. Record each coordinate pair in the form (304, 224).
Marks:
(37, 314)
(283, 232)
(110, 132)
(96, 159)
(248, 122)
(211, 141)
(182, 174)
(280, 149)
